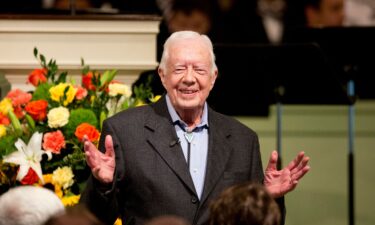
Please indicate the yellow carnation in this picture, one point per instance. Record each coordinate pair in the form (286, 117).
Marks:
(57, 93)
(5, 106)
(3, 130)
(58, 117)
(119, 89)
(70, 200)
(63, 177)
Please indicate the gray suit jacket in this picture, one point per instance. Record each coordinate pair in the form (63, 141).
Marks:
(152, 177)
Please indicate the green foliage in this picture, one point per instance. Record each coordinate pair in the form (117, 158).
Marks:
(42, 91)
(78, 116)
(7, 145)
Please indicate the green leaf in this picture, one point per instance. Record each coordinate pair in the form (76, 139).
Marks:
(35, 52)
(103, 116)
(107, 77)
(62, 77)
(43, 60)
(15, 123)
(30, 121)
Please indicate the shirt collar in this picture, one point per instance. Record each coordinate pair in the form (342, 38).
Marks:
(176, 118)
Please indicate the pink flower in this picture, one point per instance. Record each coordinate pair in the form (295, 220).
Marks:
(19, 97)
(81, 92)
(54, 141)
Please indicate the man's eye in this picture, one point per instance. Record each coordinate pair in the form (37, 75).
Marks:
(201, 71)
(179, 70)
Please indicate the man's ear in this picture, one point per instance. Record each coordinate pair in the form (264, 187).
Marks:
(214, 78)
(161, 75)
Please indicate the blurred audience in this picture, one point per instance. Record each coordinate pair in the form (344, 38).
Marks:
(67, 4)
(272, 13)
(245, 204)
(324, 13)
(302, 14)
(28, 205)
(360, 13)
(314, 13)
(178, 15)
(237, 21)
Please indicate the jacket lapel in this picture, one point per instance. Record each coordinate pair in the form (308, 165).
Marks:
(162, 136)
(219, 151)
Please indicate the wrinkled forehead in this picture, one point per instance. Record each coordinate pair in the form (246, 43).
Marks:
(189, 51)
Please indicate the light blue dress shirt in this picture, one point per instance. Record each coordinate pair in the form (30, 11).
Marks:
(198, 145)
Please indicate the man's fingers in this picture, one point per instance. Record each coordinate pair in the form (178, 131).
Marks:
(272, 163)
(109, 150)
(299, 174)
(296, 161)
(87, 144)
(301, 165)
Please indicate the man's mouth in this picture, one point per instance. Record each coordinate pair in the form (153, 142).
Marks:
(188, 91)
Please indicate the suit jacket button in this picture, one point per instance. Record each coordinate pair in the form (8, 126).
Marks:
(194, 200)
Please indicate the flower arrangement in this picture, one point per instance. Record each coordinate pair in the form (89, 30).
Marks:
(41, 131)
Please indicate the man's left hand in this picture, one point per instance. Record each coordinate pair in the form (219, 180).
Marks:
(280, 182)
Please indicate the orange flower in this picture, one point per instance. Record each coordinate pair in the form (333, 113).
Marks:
(87, 81)
(87, 129)
(4, 119)
(54, 141)
(37, 109)
(37, 77)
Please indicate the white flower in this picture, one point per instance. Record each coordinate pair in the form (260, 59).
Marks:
(114, 105)
(58, 117)
(119, 89)
(28, 156)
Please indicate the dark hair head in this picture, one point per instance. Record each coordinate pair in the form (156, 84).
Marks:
(245, 204)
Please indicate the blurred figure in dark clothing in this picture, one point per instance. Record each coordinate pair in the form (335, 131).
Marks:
(135, 6)
(237, 21)
(312, 14)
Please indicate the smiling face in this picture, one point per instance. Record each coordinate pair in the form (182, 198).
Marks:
(187, 75)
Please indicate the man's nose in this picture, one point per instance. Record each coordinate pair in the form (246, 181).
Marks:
(189, 75)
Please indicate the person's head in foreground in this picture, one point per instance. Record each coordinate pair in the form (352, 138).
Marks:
(75, 215)
(245, 204)
(28, 205)
(167, 220)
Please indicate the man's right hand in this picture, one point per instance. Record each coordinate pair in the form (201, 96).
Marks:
(102, 165)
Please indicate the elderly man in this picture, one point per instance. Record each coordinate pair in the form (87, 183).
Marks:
(173, 157)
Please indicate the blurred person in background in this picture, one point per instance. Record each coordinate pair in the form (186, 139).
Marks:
(302, 14)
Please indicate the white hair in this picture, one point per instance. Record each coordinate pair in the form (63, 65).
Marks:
(28, 205)
(184, 35)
